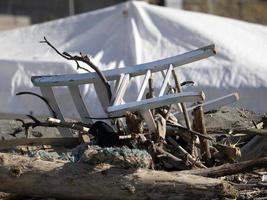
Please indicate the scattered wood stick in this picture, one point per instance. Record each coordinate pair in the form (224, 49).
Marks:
(186, 154)
(123, 137)
(247, 131)
(52, 122)
(177, 130)
(229, 169)
(199, 126)
(183, 105)
(72, 125)
(167, 154)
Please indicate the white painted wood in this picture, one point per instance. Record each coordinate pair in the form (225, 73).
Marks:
(102, 94)
(214, 104)
(165, 81)
(73, 80)
(149, 119)
(155, 102)
(155, 66)
(144, 85)
(122, 89)
(48, 94)
(116, 87)
(164, 75)
(79, 104)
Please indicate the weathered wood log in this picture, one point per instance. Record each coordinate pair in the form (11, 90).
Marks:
(229, 169)
(33, 177)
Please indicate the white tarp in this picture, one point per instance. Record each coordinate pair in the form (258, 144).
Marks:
(133, 33)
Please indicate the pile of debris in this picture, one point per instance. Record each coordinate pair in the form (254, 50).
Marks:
(124, 164)
(141, 150)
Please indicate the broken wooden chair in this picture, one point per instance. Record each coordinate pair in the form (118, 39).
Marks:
(113, 106)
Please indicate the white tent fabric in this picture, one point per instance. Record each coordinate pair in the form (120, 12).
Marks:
(133, 33)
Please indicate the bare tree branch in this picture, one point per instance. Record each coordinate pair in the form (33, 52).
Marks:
(85, 59)
(43, 99)
(49, 123)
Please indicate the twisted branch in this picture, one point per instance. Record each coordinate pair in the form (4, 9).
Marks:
(85, 59)
(42, 98)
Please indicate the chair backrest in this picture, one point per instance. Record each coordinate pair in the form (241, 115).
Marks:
(121, 77)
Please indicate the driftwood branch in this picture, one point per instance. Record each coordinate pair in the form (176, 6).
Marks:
(85, 59)
(82, 181)
(229, 169)
(42, 98)
(246, 131)
(52, 122)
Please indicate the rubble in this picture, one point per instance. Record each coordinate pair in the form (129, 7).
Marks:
(166, 154)
(140, 149)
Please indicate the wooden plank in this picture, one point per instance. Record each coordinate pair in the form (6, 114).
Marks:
(102, 94)
(79, 104)
(155, 66)
(122, 89)
(155, 102)
(164, 75)
(48, 93)
(166, 81)
(213, 104)
(116, 87)
(144, 84)
(149, 119)
(6, 144)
